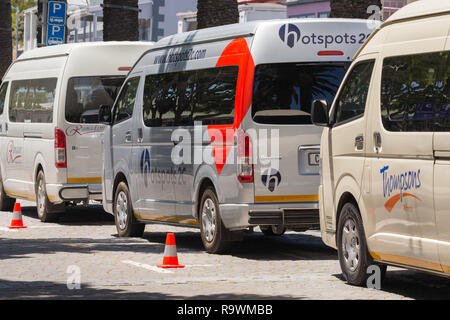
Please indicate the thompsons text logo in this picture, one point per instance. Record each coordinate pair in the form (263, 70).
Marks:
(290, 34)
(402, 183)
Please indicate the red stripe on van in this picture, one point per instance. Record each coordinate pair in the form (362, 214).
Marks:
(236, 53)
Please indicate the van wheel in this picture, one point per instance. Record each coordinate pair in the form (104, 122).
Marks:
(6, 203)
(271, 231)
(126, 223)
(212, 230)
(353, 253)
(47, 211)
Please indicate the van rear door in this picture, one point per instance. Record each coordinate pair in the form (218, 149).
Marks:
(83, 132)
(288, 171)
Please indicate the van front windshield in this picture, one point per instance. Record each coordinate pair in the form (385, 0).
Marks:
(85, 95)
(283, 93)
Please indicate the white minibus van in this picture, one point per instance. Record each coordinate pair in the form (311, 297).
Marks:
(50, 136)
(384, 195)
(212, 128)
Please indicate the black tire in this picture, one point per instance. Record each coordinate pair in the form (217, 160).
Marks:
(6, 203)
(216, 241)
(126, 223)
(47, 211)
(350, 224)
(272, 231)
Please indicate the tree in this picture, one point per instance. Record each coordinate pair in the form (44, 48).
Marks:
(22, 5)
(211, 13)
(5, 36)
(120, 20)
(353, 8)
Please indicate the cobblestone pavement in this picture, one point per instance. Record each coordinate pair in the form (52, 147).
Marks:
(34, 263)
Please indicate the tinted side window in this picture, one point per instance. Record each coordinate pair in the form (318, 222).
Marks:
(415, 93)
(32, 100)
(124, 107)
(180, 98)
(352, 99)
(3, 90)
(86, 94)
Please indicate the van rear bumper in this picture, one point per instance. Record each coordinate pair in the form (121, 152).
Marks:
(75, 191)
(295, 216)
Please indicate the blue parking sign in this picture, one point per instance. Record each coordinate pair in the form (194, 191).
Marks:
(57, 13)
(56, 29)
(55, 35)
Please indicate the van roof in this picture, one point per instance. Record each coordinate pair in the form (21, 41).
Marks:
(236, 30)
(415, 10)
(421, 8)
(66, 49)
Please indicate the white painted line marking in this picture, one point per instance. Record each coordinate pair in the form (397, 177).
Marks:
(8, 229)
(146, 266)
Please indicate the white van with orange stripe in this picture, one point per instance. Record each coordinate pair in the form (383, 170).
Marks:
(213, 128)
(50, 136)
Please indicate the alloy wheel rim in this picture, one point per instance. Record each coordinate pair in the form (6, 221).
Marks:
(122, 209)
(351, 245)
(209, 219)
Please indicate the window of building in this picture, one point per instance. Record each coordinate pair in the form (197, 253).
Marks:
(180, 98)
(32, 100)
(85, 95)
(323, 14)
(308, 15)
(351, 103)
(283, 93)
(415, 93)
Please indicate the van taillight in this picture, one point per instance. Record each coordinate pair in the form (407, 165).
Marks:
(60, 149)
(244, 158)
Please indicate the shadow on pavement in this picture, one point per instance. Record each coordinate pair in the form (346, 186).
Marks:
(77, 215)
(53, 290)
(414, 285)
(256, 246)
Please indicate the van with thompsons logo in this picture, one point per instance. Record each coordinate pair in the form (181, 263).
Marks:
(212, 128)
(384, 194)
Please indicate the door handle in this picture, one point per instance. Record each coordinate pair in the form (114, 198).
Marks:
(359, 142)
(128, 136)
(377, 141)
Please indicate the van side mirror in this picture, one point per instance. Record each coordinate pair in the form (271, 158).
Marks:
(319, 113)
(104, 114)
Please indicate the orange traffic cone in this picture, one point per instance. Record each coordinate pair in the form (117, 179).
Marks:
(16, 222)
(170, 253)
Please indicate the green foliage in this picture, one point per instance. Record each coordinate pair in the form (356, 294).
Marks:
(22, 5)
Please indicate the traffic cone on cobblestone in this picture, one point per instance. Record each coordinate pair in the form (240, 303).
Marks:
(170, 259)
(16, 222)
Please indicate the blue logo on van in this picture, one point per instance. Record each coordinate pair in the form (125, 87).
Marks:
(290, 34)
(145, 165)
(271, 178)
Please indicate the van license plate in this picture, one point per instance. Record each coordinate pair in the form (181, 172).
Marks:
(314, 158)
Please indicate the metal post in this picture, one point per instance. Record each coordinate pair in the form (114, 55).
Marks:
(44, 21)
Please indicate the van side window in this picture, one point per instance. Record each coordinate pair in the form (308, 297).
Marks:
(85, 95)
(124, 107)
(352, 99)
(3, 90)
(180, 98)
(415, 92)
(32, 101)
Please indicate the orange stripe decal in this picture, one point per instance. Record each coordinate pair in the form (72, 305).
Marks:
(390, 204)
